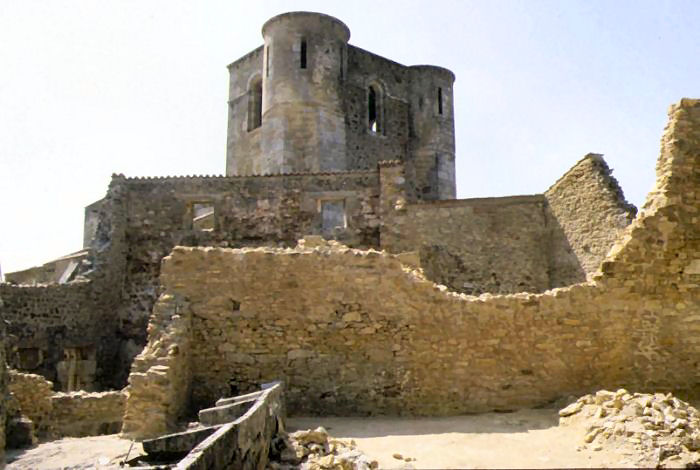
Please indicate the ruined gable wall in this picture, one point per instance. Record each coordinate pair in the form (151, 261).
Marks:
(587, 212)
(365, 149)
(354, 332)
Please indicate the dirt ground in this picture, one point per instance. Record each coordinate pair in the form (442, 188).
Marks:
(98, 452)
(522, 439)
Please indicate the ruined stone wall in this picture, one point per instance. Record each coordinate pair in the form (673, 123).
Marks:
(79, 414)
(42, 321)
(33, 395)
(355, 332)
(587, 213)
(496, 245)
(61, 414)
(159, 382)
(273, 210)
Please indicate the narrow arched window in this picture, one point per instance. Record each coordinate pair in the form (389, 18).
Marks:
(255, 104)
(374, 110)
(439, 100)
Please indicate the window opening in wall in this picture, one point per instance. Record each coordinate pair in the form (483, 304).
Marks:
(29, 358)
(255, 105)
(302, 58)
(77, 370)
(439, 100)
(342, 65)
(267, 61)
(203, 216)
(332, 216)
(374, 110)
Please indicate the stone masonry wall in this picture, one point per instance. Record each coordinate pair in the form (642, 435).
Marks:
(78, 414)
(43, 320)
(61, 414)
(476, 245)
(588, 208)
(160, 378)
(33, 394)
(258, 210)
(356, 332)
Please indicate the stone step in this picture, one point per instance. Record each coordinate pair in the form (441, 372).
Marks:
(239, 398)
(226, 413)
(177, 443)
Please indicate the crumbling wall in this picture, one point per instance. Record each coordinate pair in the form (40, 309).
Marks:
(355, 332)
(61, 414)
(587, 212)
(254, 210)
(45, 320)
(160, 376)
(33, 395)
(79, 414)
(53, 324)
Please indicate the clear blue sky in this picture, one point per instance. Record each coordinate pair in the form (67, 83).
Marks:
(92, 87)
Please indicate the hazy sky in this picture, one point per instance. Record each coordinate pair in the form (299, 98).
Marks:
(92, 87)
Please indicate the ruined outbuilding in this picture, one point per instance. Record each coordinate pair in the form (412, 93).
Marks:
(399, 298)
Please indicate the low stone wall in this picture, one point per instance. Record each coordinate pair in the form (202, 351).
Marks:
(244, 443)
(74, 414)
(33, 394)
(78, 414)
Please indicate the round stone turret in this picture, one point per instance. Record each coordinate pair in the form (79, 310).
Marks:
(432, 154)
(303, 122)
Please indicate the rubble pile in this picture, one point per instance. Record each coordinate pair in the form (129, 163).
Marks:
(660, 429)
(316, 450)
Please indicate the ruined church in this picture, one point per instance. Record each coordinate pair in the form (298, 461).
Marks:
(188, 287)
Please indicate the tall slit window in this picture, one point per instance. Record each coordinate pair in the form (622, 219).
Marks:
(342, 65)
(267, 61)
(255, 104)
(374, 110)
(439, 100)
(302, 54)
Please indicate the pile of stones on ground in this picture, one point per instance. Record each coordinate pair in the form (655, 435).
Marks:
(658, 429)
(316, 450)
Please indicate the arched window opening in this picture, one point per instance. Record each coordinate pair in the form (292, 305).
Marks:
(302, 54)
(255, 105)
(439, 100)
(374, 110)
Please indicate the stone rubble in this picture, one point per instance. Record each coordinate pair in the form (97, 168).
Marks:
(316, 450)
(658, 429)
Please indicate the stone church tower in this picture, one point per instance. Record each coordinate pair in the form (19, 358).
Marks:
(306, 102)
